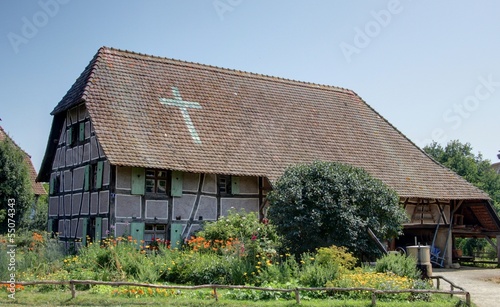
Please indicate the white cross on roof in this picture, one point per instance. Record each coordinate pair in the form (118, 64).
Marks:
(183, 106)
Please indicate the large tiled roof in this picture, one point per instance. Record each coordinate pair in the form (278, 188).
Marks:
(37, 186)
(242, 123)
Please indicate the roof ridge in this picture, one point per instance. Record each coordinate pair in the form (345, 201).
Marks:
(13, 142)
(197, 65)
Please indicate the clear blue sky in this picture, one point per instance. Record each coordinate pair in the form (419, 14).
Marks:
(431, 68)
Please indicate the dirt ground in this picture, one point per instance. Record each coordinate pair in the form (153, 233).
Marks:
(483, 284)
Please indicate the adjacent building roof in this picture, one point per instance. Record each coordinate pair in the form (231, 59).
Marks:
(157, 112)
(37, 186)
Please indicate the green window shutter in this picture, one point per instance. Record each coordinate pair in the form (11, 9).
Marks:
(87, 178)
(100, 166)
(70, 135)
(85, 223)
(98, 229)
(81, 136)
(176, 185)
(50, 225)
(137, 232)
(235, 185)
(175, 236)
(138, 180)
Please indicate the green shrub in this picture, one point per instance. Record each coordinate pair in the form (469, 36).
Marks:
(316, 274)
(255, 237)
(400, 265)
(336, 255)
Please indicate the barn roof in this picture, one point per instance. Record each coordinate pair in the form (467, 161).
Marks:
(157, 112)
(36, 186)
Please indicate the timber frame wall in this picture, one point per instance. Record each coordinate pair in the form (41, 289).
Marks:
(92, 199)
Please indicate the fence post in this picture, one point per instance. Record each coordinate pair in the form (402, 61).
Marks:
(374, 299)
(467, 299)
(297, 295)
(215, 294)
(451, 288)
(438, 282)
(72, 288)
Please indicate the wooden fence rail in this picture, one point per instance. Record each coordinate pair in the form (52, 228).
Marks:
(214, 287)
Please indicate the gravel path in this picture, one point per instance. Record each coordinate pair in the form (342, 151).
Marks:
(477, 281)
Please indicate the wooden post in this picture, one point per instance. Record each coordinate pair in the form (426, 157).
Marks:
(297, 295)
(72, 288)
(438, 282)
(215, 294)
(451, 289)
(467, 299)
(374, 299)
(498, 250)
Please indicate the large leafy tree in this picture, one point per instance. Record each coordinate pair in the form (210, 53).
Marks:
(326, 203)
(14, 183)
(473, 168)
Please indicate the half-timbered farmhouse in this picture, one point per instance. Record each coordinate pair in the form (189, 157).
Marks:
(36, 187)
(152, 147)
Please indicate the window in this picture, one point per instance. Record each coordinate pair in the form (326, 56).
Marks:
(93, 176)
(73, 133)
(155, 233)
(55, 184)
(156, 181)
(224, 184)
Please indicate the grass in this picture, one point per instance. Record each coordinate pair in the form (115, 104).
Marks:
(30, 297)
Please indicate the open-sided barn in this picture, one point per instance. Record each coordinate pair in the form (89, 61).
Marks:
(152, 146)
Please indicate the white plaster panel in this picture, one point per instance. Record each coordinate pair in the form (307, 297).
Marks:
(87, 130)
(190, 182)
(122, 229)
(82, 112)
(127, 206)
(55, 163)
(62, 137)
(104, 202)
(94, 203)
(78, 178)
(79, 231)
(249, 185)
(209, 184)
(69, 156)
(101, 152)
(62, 157)
(183, 206)
(249, 204)
(207, 208)
(75, 155)
(123, 178)
(106, 173)
(94, 152)
(53, 205)
(68, 181)
(67, 205)
(74, 224)
(77, 200)
(86, 152)
(85, 203)
(61, 206)
(157, 208)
